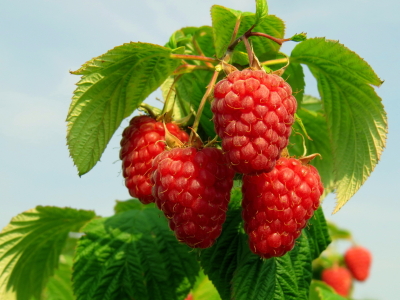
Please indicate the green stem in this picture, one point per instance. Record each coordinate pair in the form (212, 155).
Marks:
(275, 61)
(186, 68)
(165, 108)
(194, 57)
(202, 103)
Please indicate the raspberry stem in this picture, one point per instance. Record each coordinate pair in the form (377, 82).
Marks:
(275, 61)
(202, 103)
(166, 106)
(272, 38)
(253, 60)
(186, 68)
(194, 57)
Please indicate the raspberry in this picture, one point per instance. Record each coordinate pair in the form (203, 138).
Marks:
(253, 115)
(339, 278)
(189, 297)
(140, 144)
(358, 260)
(192, 187)
(278, 204)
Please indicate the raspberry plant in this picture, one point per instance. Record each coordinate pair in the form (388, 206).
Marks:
(65, 253)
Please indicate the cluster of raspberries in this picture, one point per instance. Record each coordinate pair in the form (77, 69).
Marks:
(253, 114)
(357, 266)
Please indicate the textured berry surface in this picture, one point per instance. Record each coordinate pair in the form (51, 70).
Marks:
(192, 187)
(358, 260)
(141, 143)
(253, 115)
(278, 204)
(339, 278)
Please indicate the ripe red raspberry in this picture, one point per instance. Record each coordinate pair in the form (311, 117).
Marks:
(253, 115)
(192, 187)
(189, 297)
(358, 260)
(278, 204)
(339, 278)
(141, 143)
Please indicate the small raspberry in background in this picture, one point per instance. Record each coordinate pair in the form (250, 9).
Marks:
(253, 115)
(141, 142)
(358, 260)
(339, 278)
(277, 205)
(189, 297)
(192, 187)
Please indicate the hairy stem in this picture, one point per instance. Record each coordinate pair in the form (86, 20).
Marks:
(276, 40)
(186, 68)
(202, 103)
(171, 89)
(275, 61)
(194, 57)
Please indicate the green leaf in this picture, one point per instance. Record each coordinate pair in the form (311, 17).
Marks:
(59, 286)
(123, 206)
(336, 232)
(204, 289)
(240, 58)
(223, 24)
(31, 245)
(112, 86)
(237, 273)
(133, 255)
(317, 233)
(294, 75)
(197, 41)
(321, 291)
(356, 120)
(299, 37)
(220, 261)
(314, 121)
(224, 21)
(203, 36)
(261, 10)
(264, 48)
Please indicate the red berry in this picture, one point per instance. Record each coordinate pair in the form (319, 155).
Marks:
(189, 297)
(358, 260)
(278, 204)
(141, 142)
(192, 187)
(339, 278)
(253, 115)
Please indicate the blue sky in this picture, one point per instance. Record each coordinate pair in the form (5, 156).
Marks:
(41, 41)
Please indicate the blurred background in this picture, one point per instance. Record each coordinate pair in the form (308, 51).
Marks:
(41, 41)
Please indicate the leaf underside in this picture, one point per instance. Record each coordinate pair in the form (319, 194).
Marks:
(355, 117)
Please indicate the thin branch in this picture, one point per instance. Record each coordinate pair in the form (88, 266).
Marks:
(186, 68)
(276, 40)
(194, 57)
(275, 62)
(203, 102)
